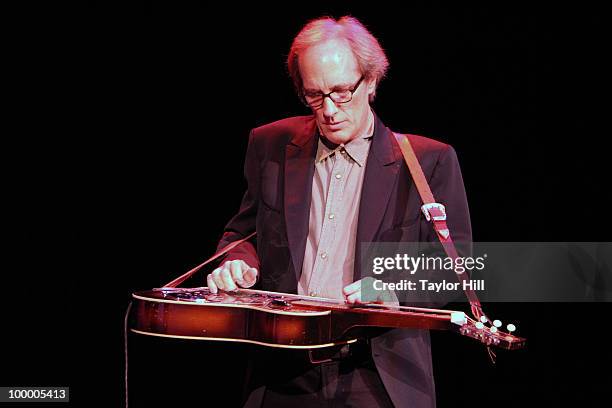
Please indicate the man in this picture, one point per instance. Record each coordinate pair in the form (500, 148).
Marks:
(318, 186)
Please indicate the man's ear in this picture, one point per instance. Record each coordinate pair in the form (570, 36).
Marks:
(371, 86)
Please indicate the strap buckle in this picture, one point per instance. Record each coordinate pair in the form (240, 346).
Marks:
(435, 211)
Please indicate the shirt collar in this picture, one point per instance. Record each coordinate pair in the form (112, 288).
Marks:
(357, 149)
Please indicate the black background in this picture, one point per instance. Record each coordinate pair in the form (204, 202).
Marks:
(123, 160)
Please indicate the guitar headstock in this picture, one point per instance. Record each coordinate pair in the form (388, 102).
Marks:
(490, 334)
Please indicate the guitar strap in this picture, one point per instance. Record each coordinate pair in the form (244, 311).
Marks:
(436, 213)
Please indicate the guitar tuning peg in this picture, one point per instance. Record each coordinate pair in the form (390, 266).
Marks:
(511, 328)
(483, 319)
(479, 325)
(497, 323)
(493, 329)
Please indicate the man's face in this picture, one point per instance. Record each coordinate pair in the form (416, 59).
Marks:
(328, 67)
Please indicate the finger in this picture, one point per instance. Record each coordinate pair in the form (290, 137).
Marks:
(245, 269)
(354, 298)
(211, 284)
(235, 268)
(228, 282)
(250, 277)
(391, 298)
(352, 288)
(217, 280)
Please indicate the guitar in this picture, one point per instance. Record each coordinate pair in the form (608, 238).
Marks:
(290, 321)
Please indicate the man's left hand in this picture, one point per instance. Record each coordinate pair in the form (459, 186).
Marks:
(352, 293)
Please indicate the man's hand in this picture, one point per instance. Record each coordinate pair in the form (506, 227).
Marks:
(230, 275)
(352, 293)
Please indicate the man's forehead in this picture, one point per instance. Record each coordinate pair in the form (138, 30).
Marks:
(332, 62)
(328, 53)
(332, 55)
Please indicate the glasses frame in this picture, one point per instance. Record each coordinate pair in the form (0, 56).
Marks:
(329, 95)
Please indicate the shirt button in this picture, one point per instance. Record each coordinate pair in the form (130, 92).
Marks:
(331, 216)
(338, 176)
(313, 293)
(324, 255)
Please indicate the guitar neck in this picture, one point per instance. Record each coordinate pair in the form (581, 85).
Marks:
(384, 317)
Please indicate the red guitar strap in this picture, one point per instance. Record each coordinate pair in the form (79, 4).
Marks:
(436, 213)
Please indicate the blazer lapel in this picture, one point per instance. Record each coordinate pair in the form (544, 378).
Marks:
(382, 169)
(299, 170)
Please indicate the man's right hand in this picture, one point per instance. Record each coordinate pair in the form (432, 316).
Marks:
(230, 275)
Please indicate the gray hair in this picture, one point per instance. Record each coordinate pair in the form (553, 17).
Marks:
(370, 56)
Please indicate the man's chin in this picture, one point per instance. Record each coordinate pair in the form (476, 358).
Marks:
(338, 137)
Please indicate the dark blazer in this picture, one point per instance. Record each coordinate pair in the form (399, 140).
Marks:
(279, 168)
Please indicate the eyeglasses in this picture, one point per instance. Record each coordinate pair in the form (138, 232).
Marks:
(315, 100)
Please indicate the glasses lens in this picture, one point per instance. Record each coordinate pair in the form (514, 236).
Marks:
(341, 96)
(314, 101)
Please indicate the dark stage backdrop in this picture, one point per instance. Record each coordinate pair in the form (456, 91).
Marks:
(124, 162)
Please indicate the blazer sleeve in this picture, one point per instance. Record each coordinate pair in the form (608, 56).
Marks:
(244, 222)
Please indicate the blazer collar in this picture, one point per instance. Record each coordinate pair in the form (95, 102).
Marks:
(380, 178)
(299, 170)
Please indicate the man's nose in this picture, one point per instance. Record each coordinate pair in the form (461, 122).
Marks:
(329, 107)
